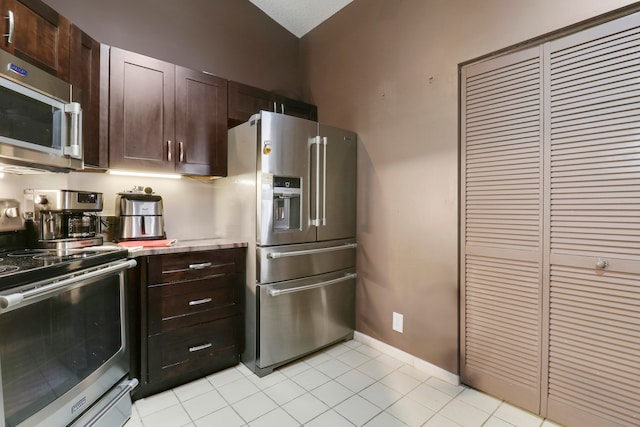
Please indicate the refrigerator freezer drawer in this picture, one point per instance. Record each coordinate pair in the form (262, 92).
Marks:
(279, 263)
(300, 316)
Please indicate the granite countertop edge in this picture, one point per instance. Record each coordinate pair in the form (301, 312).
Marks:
(183, 246)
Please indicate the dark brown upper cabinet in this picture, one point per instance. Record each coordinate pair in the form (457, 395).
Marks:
(89, 77)
(292, 107)
(245, 100)
(165, 118)
(201, 132)
(36, 33)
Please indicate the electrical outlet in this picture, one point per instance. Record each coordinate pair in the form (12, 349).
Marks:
(398, 319)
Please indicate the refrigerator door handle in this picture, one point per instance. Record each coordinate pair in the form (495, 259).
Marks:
(276, 255)
(323, 220)
(276, 292)
(315, 220)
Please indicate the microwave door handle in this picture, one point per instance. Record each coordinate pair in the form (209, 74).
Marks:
(74, 149)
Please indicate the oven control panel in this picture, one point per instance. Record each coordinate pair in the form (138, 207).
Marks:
(10, 216)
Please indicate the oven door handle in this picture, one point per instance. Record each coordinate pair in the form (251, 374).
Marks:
(12, 300)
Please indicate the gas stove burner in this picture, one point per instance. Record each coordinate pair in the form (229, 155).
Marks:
(27, 252)
(8, 268)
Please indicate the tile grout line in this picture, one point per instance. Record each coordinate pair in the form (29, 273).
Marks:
(370, 355)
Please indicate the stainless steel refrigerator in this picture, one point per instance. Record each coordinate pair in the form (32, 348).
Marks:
(291, 194)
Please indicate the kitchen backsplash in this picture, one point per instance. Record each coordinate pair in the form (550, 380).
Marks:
(187, 203)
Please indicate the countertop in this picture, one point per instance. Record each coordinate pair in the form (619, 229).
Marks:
(186, 246)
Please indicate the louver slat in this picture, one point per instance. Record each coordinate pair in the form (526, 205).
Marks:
(501, 236)
(594, 315)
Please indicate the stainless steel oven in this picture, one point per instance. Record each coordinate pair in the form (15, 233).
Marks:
(63, 353)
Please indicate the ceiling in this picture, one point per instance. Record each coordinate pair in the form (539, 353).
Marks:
(300, 16)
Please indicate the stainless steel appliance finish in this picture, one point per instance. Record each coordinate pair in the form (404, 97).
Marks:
(63, 323)
(64, 346)
(300, 316)
(279, 263)
(140, 216)
(41, 127)
(291, 193)
(65, 218)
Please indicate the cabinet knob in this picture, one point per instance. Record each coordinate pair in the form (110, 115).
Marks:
(602, 264)
(181, 151)
(169, 156)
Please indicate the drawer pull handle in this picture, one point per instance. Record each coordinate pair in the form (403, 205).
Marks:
(199, 347)
(199, 266)
(200, 301)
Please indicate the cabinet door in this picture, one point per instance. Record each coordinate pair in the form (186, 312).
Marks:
(188, 353)
(141, 106)
(340, 192)
(244, 101)
(293, 107)
(85, 77)
(594, 310)
(201, 123)
(501, 220)
(40, 35)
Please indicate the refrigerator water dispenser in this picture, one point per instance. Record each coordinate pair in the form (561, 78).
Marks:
(286, 203)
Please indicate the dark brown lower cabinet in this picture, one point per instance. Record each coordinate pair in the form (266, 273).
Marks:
(190, 317)
(204, 348)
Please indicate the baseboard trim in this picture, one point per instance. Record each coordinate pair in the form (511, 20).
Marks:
(422, 365)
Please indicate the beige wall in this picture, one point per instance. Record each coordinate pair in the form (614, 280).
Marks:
(388, 69)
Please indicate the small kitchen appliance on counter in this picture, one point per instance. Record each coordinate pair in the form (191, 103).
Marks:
(65, 218)
(139, 215)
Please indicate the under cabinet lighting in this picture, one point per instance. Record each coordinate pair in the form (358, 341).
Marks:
(145, 174)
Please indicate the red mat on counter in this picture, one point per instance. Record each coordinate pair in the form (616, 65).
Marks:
(148, 243)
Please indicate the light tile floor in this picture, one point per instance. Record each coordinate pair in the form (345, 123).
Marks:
(345, 385)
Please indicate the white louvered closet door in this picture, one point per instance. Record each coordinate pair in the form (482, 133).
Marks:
(501, 227)
(594, 301)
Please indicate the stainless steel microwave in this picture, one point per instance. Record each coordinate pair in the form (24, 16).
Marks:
(40, 125)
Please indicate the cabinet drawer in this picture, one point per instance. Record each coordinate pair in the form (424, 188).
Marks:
(195, 348)
(194, 265)
(183, 304)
